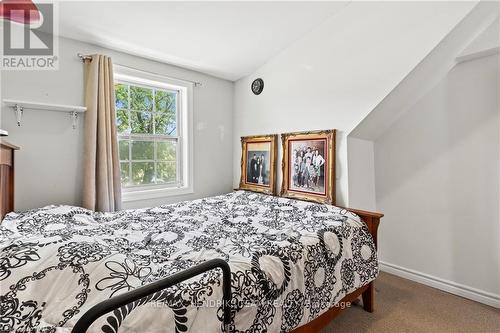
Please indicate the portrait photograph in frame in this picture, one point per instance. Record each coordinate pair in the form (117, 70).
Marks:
(258, 163)
(308, 166)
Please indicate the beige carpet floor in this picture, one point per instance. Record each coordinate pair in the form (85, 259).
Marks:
(406, 306)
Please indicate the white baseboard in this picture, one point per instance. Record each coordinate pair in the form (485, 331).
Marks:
(445, 285)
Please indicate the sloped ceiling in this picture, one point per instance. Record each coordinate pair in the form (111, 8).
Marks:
(487, 43)
(224, 39)
(345, 67)
(475, 35)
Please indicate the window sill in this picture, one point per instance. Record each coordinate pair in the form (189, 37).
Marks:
(137, 195)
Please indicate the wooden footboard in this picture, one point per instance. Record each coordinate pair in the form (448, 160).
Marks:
(372, 221)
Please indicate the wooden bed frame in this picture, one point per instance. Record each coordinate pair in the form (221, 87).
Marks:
(367, 292)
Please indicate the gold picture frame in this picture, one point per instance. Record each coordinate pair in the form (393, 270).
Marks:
(308, 166)
(258, 163)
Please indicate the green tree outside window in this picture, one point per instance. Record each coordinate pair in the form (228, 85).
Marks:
(146, 120)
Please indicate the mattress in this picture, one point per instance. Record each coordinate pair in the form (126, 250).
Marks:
(290, 262)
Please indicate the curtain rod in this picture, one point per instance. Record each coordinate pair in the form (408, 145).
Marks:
(83, 58)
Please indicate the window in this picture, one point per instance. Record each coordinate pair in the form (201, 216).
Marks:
(152, 119)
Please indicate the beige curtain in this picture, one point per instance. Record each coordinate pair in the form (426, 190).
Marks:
(102, 188)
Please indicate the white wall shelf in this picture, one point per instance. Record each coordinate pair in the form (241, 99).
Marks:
(20, 106)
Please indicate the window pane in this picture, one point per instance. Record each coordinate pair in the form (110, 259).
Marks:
(124, 172)
(143, 173)
(165, 101)
(142, 150)
(121, 96)
(165, 123)
(141, 99)
(166, 150)
(141, 122)
(165, 119)
(123, 149)
(122, 123)
(166, 172)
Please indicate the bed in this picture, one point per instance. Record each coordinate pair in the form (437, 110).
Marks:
(292, 264)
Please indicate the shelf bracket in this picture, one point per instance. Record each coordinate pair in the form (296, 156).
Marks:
(18, 109)
(74, 118)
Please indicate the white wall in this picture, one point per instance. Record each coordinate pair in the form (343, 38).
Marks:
(49, 168)
(336, 74)
(438, 183)
(360, 158)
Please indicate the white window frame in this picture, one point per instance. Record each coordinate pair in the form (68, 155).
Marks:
(185, 172)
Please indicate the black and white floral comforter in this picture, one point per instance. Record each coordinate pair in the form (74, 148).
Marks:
(290, 262)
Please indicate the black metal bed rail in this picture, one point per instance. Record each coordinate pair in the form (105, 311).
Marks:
(117, 302)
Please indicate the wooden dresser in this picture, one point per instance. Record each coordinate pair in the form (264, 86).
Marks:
(6, 177)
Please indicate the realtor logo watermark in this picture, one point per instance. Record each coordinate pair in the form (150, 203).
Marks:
(29, 36)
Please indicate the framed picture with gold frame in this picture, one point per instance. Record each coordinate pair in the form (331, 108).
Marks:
(258, 163)
(309, 166)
